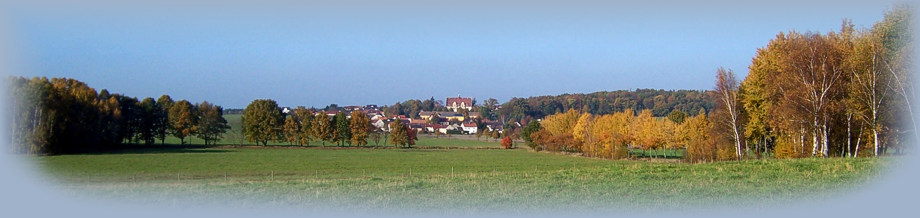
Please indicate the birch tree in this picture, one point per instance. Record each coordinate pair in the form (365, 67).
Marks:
(727, 91)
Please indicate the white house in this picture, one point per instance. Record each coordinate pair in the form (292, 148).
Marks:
(470, 128)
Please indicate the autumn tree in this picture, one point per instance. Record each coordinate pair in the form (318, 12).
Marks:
(507, 143)
(398, 134)
(646, 134)
(694, 132)
(411, 136)
(262, 121)
(360, 128)
(869, 89)
(562, 123)
(581, 131)
(727, 112)
(211, 122)
(184, 120)
(305, 120)
(895, 32)
(322, 128)
(291, 129)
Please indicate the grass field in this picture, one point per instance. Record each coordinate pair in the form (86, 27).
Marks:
(444, 181)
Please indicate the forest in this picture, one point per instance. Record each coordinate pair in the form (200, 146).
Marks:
(65, 116)
(659, 102)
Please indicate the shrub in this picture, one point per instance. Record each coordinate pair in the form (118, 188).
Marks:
(507, 143)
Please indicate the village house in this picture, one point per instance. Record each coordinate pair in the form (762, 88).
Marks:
(455, 104)
(470, 128)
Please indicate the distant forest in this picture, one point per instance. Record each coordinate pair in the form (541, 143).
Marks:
(660, 102)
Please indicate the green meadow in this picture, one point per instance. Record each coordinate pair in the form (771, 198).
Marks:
(444, 180)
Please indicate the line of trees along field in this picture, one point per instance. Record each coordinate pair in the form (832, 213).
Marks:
(808, 94)
(263, 122)
(62, 116)
(659, 102)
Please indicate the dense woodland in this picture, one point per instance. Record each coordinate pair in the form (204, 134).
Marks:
(809, 94)
(64, 116)
(659, 102)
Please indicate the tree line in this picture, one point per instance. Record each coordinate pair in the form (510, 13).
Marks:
(659, 102)
(64, 116)
(263, 122)
(843, 94)
(611, 135)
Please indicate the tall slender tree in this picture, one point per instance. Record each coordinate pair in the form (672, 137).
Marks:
(728, 105)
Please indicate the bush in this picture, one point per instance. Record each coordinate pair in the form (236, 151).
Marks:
(507, 143)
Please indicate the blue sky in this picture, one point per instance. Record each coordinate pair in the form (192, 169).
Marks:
(314, 55)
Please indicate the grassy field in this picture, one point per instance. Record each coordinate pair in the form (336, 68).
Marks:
(444, 181)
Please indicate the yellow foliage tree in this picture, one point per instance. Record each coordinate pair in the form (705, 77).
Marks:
(559, 124)
(581, 132)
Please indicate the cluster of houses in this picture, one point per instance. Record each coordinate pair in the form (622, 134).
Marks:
(448, 122)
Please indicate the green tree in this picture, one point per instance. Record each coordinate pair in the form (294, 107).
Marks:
(150, 116)
(398, 134)
(532, 127)
(211, 123)
(341, 132)
(163, 126)
(184, 120)
(677, 116)
(262, 121)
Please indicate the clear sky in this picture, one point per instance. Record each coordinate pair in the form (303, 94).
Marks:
(314, 55)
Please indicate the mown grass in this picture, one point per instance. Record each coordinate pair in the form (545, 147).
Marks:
(446, 181)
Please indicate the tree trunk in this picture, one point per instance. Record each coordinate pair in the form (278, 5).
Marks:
(856, 153)
(824, 144)
(849, 135)
(875, 137)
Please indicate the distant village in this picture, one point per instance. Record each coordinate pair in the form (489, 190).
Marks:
(461, 117)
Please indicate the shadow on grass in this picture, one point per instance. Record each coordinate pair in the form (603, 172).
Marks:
(657, 154)
(158, 149)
